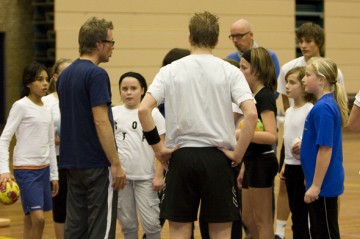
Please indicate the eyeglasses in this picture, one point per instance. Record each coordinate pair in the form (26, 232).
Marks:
(238, 36)
(112, 43)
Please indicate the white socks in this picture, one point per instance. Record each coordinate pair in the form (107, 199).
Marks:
(280, 228)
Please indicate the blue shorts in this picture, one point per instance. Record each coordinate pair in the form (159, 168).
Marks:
(35, 190)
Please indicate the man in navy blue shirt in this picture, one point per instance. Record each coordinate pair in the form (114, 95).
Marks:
(88, 150)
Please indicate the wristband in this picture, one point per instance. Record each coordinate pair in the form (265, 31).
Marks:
(152, 136)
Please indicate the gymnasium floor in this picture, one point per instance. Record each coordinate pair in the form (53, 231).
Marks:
(349, 217)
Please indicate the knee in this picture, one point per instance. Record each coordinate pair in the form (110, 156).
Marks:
(151, 225)
(38, 221)
(246, 220)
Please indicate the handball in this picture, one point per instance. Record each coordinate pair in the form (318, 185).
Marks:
(259, 125)
(9, 194)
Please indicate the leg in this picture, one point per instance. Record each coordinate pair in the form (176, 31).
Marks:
(220, 230)
(102, 201)
(147, 204)
(127, 214)
(59, 206)
(282, 209)
(296, 190)
(204, 229)
(76, 208)
(261, 206)
(59, 230)
(37, 224)
(27, 226)
(248, 214)
(282, 206)
(180, 230)
(324, 218)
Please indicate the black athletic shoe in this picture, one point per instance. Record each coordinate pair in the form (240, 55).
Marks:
(278, 237)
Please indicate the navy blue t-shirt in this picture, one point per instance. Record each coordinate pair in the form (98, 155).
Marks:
(82, 86)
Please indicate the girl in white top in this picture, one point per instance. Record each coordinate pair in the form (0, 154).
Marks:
(52, 100)
(31, 121)
(354, 118)
(291, 170)
(143, 181)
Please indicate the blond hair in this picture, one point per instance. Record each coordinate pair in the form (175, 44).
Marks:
(328, 69)
(56, 70)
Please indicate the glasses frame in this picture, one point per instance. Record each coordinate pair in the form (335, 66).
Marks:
(112, 43)
(238, 36)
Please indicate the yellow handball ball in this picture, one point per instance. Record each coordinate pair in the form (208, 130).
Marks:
(259, 125)
(9, 194)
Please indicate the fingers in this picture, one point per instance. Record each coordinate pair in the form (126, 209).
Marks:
(119, 183)
(310, 198)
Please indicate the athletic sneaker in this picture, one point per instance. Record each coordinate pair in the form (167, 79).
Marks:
(278, 237)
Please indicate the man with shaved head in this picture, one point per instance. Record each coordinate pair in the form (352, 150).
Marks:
(242, 36)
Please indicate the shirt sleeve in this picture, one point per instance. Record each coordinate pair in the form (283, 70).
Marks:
(281, 82)
(15, 117)
(53, 163)
(159, 121)
(357, 99)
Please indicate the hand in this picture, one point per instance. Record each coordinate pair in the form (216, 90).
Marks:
(240, 177)
(57, 139)
(119, 176)
(158, 183)
(55, 188)
(230, 155)
(312, 194)
(296, 148)
(282, 173)
(164, 154)
(6, 177)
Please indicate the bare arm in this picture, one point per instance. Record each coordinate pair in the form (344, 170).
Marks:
(322, 165)
(162, 153)
(158, 180)
(354, 119)
(106, 137)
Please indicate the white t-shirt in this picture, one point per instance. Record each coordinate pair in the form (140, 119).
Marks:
(198, 90)
(293, 128)
(357, 99)
(300, 61)
(35, 144)
(136, 155)
(53, 103)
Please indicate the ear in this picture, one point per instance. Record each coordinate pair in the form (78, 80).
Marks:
(55, 76)
(98, 45)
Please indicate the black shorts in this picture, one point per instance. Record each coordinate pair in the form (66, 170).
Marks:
(260, 171)
(199, 174)
(59, 201)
